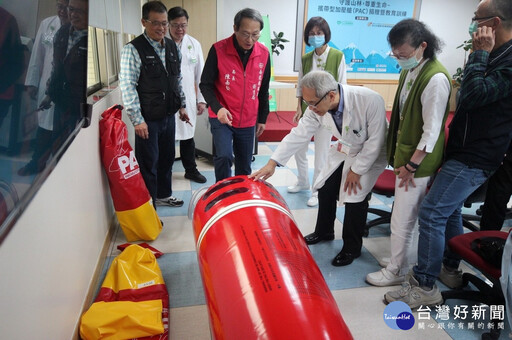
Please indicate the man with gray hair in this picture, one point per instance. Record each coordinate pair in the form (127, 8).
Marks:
(235, 83)
(356, 116)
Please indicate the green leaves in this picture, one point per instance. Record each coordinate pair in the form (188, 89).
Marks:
(277, 42)
(457, 76)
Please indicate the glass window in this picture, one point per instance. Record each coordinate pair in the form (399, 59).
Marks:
(42, 89)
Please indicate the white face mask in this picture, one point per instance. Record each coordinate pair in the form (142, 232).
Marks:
(407, 64)
(473, 27)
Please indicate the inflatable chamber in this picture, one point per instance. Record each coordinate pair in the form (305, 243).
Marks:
(260, 280)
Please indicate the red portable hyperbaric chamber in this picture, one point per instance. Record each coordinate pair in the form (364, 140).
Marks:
(259, 277)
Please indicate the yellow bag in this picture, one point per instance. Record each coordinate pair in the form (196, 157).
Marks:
(130, 298)
(122, 320)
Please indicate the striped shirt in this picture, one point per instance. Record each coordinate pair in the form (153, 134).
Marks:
(479, 87)
(129, 77)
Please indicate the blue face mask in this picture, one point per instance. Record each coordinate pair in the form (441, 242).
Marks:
(316, 41)
(407, 64)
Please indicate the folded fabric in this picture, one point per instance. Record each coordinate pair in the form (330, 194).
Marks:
(122, 320)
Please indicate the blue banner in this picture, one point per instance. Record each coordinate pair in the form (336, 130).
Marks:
(359, 29)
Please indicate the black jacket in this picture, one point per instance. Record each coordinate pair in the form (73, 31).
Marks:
(67, 84)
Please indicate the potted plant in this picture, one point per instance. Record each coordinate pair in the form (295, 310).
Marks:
(457, 76)
(277, 42)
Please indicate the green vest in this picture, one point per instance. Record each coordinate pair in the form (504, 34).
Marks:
(332, 64)
(405, 132)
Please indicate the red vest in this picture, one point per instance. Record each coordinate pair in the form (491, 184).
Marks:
(236, 90)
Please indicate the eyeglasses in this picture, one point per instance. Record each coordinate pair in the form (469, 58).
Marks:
(157, 23)
(246, 35)
(179, 26)
(76, 10)
(475, 18)
(314, 106)
(404, 58)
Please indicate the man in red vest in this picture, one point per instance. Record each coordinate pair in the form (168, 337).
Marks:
(235, 83)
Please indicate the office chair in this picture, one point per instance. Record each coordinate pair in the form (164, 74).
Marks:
(385, 185)
(477, 196)
(489, 294)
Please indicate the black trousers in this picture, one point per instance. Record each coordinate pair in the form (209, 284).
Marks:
(188, 155)
(155, 156)
(497, 196)
(355, 214)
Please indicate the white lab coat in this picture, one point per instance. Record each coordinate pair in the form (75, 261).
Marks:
(40, 66)
(364, 129)
(192, 63)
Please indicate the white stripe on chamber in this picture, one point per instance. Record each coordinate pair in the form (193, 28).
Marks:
(234, 207)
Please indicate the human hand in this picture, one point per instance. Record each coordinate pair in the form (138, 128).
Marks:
(352, 182)
(297, 115)
(225, 117)
(265, 172)
(46, 103)
(484, 39)
(201, 107)
(406, 178)
(142, 131)
(259, 129)
(184, 116)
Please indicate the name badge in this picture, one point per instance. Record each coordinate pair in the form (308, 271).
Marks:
(342, 147)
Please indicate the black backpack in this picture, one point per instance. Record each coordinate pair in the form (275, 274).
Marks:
(490, 249)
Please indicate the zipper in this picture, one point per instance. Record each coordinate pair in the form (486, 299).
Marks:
(243, 101)
(465, 129)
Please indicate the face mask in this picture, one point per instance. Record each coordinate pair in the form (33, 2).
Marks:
(472, 28)
(316, 41)
(412, 62)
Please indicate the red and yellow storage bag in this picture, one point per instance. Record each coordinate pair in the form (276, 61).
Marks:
(132, 202)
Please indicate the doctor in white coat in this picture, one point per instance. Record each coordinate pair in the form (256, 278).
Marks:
(192, 63)
(356, 116)
(38, 71)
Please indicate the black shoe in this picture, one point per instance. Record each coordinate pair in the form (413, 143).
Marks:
(170, 201)
(314, 238)
(344, 259)
(195, 176)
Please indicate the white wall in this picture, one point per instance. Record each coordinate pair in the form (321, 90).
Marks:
(282, 15)
(448, 19)
(48, 259)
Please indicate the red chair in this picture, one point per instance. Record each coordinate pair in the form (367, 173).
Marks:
(489, 294)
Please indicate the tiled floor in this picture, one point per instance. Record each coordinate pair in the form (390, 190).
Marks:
(360, 304)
